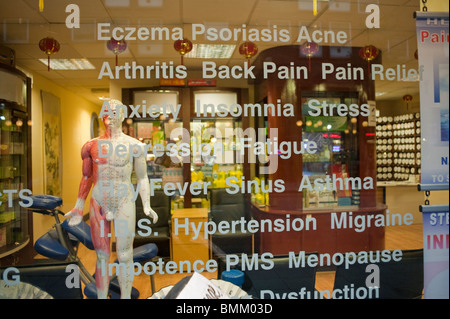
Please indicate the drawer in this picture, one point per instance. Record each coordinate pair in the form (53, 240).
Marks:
(182, 238)
(190, 252)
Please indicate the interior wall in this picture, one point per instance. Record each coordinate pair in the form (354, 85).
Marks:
(75, 131)
(435, 6)
(398, 107)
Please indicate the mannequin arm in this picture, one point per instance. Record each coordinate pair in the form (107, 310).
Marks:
(140, 166)
(85, 185)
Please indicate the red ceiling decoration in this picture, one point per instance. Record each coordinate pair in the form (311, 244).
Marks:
(368, 53)
(248, 50)
(117, 47)
(309, 49)
(183, 47)
(49, 46)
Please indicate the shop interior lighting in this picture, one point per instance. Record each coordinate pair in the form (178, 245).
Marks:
(69, 64)
(211, 51)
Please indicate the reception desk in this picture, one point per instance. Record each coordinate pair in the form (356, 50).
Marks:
(344, 229)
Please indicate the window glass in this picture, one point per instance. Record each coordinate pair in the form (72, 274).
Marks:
(263, 149)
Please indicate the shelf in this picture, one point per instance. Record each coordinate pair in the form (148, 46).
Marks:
(15, 170)
(11, 249)
(396, 137)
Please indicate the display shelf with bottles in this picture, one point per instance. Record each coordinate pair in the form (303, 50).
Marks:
(203, 126)
(385, 154)
(398, 148)
(215, 152)
(15, 166)
(336, 138)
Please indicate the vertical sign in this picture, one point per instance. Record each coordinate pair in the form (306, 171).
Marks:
(435, 253)
(433, 50)
(433, 41)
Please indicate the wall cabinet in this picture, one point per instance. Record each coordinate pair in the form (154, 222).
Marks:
(15, 167)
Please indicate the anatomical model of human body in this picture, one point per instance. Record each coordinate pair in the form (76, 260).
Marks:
(108, 163)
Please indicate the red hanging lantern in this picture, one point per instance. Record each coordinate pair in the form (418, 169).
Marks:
(49, 46)
(117, 47)
(407, 98)
(248, 50)
(309, 49)
(183, 47)
(368, 53)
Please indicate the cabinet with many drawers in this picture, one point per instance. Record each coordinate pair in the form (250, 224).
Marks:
(189, 242)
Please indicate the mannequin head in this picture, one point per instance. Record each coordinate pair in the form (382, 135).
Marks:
(114, 118)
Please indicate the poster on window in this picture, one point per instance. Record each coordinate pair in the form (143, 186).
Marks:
(433, 51)
(435, 254)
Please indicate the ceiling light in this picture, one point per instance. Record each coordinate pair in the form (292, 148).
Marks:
(69, 64)
(211, 51)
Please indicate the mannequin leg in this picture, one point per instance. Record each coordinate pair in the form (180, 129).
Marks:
(125, 225)
(100, 230)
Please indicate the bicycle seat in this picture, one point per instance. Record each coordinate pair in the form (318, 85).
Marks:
(82, 232)
(45, 202)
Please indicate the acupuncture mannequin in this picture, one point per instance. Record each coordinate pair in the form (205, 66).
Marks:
(113, 197)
